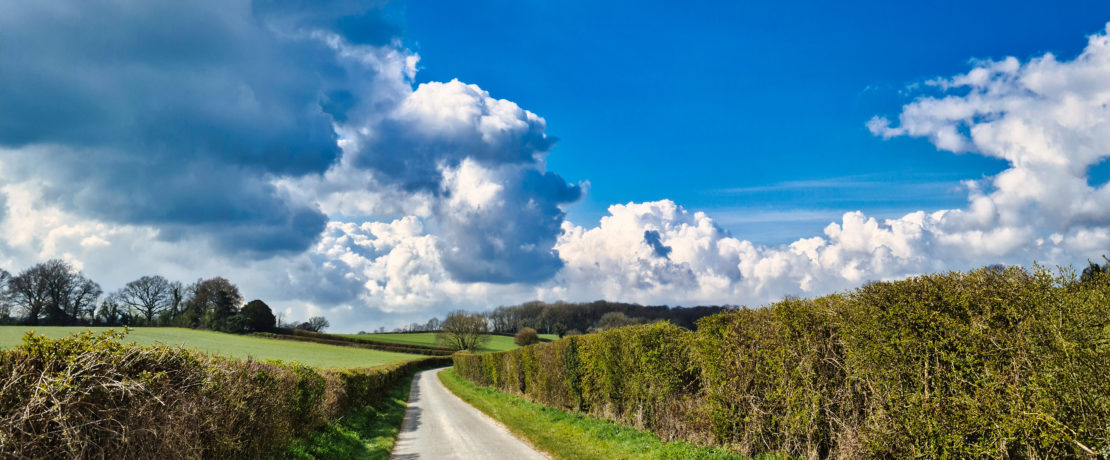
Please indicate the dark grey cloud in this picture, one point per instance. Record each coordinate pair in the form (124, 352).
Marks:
(655, 241)
(178, 114)
(510, 240)
(422, 145)
(222, 119)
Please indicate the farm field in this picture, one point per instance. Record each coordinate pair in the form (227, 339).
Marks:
(230, 345)
(497, 343)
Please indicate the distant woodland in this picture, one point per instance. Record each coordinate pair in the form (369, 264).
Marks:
(55, 293)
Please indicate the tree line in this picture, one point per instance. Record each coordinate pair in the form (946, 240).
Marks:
(562, 318)
(568, 318)
(55, 293)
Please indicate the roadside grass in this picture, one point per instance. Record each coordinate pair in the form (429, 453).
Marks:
(367, 433)
(496, 343)
(230, 345)
(570, 435)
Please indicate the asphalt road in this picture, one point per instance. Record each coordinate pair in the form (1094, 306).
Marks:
(439, 425)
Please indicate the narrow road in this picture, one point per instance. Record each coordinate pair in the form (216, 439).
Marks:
(439, 425)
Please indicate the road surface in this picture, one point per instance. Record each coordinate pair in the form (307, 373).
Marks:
(439, 425)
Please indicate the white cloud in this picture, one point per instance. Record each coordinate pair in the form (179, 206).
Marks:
(1048, 118)
(441, 199)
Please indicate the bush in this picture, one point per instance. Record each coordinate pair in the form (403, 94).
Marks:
(94, 396)
(999, 362)
(526, 336)
(257, 316)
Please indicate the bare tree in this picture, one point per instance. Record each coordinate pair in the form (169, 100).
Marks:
(81, 303)
(433, 324)
(463, 331)
(177, 298)
(314, 324)
(28, 293)
(147, 295)
(5, 303)
(111, 312)
(53, 291)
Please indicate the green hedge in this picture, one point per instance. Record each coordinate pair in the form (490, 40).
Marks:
(991, 363)
(329, 339)
(94, 396)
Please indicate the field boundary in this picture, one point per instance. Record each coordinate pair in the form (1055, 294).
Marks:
(998, 362)
(330, 339)
(95, 396)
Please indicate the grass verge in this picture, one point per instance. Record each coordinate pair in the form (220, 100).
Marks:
(367, 433)
(569, 435)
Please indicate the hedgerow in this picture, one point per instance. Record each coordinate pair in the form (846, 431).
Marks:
(992, 363)
(330, 339)
(94, 396)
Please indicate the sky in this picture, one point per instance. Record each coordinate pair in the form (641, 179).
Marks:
(386, 162)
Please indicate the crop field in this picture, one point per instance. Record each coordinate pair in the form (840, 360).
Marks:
(497, 343)
(230, 345)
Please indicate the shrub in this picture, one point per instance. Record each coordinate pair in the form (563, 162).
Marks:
(526, 336)
(94, 396)
(998, 362)
(257, 316)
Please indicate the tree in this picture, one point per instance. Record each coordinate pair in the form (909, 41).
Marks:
(314, 324)
(148, 295)
(81, 301)
(561, 330)
(526, 336)
(111, 312)
(210, 304)
(1093, 270)
(432, 325)
(55, 293)
(177, 298)
(463, 331)
(5, 305)
(257, 316)
(615, 319)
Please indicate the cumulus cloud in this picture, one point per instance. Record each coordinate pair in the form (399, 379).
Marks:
(264, 129)
(1049, 119)
(166, 113)
(181, 138)
(251, 122)
(476, 166)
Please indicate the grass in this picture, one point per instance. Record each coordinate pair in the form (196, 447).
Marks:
(369, 433)
(496, 343)
(230, 345)
(571, 435)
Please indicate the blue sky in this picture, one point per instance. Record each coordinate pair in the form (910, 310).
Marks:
(384, 162)
(688, 101)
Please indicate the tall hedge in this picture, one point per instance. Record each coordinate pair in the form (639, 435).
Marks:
(92, 396)
(992, 363)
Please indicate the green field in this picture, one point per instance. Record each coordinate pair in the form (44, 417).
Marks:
(234, 346)
(496, 343)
